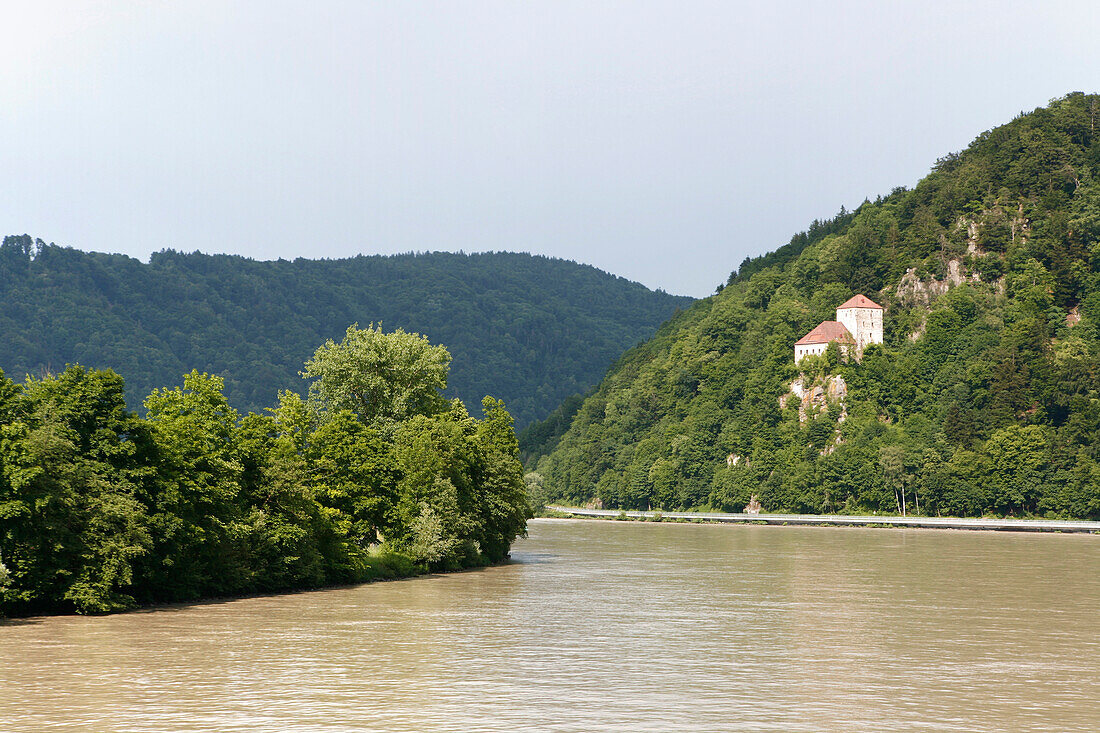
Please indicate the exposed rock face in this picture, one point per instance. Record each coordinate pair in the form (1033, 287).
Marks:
(836, 389)
(913, 291)
(1019, 226)
(813, 398)
(1074, 316)
(955, 274)
(753, 507)
(972, 237)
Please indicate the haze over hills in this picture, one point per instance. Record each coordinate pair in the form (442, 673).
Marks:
(984, 398)
(530, 330)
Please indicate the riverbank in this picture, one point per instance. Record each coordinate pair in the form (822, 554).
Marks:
(840, 520)
(382, 568)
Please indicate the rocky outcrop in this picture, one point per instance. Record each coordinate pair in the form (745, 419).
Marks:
(1074, 316)
(1018, 226)
(814, 396)
(914, 291)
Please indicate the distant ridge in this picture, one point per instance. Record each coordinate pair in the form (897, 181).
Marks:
(528, 329)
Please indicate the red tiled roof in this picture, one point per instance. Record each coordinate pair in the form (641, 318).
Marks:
(825, 332)
(859, 301)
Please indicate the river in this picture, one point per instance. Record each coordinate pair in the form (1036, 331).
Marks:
(609, 626)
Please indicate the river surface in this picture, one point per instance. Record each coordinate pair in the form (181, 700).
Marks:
(610, 626)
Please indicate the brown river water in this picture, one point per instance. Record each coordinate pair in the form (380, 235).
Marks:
(610, 626)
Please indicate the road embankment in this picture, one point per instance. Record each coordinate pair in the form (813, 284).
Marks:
(840, 520)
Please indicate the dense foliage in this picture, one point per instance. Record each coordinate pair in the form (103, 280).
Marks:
(542, 437)
(985, 397)
(101, 508)
(531, 330)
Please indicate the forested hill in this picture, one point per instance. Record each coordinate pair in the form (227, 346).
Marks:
(527, 329)
(985, 397)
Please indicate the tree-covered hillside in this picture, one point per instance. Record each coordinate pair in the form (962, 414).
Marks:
(530, 330)
(985, 397)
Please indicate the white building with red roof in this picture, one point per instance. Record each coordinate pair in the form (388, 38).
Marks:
(858, 323)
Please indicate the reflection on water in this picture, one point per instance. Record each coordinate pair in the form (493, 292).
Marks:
(606, 626)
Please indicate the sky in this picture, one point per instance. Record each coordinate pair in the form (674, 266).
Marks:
(660, 141)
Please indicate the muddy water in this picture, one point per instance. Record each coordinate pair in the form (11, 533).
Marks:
(607, 626)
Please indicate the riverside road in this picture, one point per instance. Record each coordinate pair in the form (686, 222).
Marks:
(1007, 525)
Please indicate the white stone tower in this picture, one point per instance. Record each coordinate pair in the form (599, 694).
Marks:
(863, 319)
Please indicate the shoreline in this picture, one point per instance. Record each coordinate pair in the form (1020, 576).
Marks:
(159, 606)
(840, 520)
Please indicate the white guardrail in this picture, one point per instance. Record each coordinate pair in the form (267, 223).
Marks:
(1011, 525)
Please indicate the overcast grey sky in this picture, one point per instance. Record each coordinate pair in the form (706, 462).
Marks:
(661, 141)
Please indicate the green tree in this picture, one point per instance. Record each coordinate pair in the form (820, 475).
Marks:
(71, 524)
(291, 540)
(503, 494)
(437, 502)
(383, 378)
(1018, 457)
(201, 540)
(352, 471)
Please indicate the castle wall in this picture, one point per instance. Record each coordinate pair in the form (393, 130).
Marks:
(865, 325)
(803, 350)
